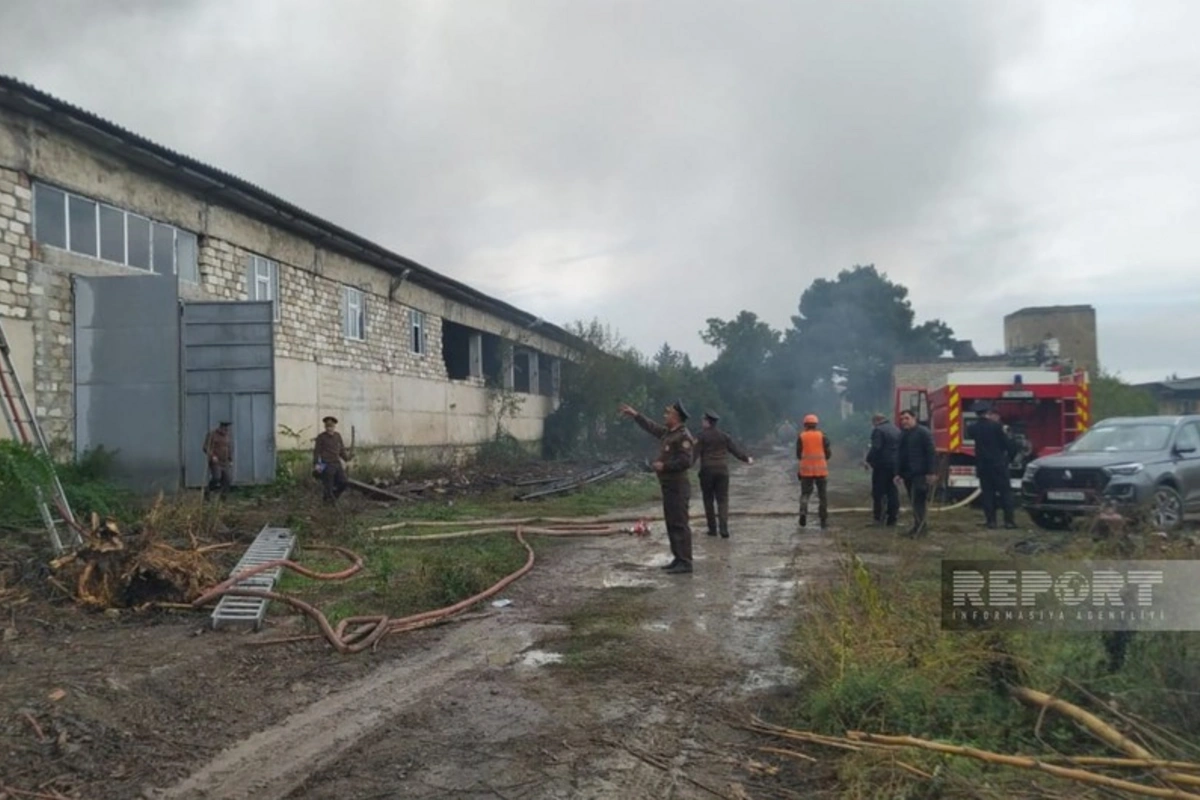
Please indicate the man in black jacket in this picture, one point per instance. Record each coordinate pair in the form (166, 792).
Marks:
(993, 451)
(881, 460)
(916, 464)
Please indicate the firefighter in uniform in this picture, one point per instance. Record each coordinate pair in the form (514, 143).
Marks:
(713, 447)
(813, 454)
(672, 464)
(993, 451)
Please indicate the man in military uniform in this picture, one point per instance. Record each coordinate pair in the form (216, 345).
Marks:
(672, 464)
(713, 447)
(218, 447)
(812, 454)
(329, 457)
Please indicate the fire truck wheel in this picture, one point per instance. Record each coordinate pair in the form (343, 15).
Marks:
(1051, 520)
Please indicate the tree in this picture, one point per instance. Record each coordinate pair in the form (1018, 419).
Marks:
(861, 324)
(1113, 397)
(743, 372)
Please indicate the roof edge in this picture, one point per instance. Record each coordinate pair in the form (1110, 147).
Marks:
(251, 199)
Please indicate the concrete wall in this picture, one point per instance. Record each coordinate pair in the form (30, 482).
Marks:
(932, 374)
(1073, 326)
(392, 396)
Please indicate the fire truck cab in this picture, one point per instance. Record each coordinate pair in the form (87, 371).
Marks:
(1043, 410)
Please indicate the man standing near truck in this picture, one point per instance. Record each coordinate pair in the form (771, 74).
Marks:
(813, 453)
(916, 465)
(993, 451)
(713, 448)
(675, 447)
(881, 460)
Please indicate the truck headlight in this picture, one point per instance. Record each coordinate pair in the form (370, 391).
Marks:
(1132, 468)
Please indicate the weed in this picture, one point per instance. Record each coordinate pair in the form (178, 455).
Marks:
(84, 481)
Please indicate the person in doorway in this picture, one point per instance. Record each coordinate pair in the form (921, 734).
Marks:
(329, 460)
(713, 448)
(881, 460)
(218, 447)
(993, 452)
(813, 453)
(916, 467)
(675, 449)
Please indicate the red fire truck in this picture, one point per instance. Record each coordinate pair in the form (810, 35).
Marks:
(1043, 409)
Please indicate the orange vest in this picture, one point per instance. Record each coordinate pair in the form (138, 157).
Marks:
(812, 455)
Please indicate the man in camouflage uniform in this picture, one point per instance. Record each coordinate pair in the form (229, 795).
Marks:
(713, 448)
(672, 464)
(329, 458)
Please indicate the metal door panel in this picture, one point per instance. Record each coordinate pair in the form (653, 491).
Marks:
(127, 376)
(229, 375)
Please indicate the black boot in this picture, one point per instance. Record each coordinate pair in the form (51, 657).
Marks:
(724, 533)
(681, 568)
(672, 565)
(803, 520)
(711, 532)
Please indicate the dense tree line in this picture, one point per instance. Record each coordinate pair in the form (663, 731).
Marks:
(846, 336)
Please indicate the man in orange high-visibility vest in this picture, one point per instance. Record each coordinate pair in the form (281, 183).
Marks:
(813, 453)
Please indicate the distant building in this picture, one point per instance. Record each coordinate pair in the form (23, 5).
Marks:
(1175, 397)
(1065, 333)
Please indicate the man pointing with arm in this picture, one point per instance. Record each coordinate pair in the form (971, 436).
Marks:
(675, 448)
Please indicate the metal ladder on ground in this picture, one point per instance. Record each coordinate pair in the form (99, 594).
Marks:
(271, 544)
(24, 427)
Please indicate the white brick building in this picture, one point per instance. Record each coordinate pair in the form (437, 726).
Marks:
(401, 353)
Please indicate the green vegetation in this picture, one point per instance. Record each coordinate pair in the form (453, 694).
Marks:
(848, 331)
(629, 491)
(874, 659)
(401, 578)
(84, 481)
(602, 638)
(1112, 397)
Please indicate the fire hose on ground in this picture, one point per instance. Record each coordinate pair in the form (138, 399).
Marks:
(358, 633)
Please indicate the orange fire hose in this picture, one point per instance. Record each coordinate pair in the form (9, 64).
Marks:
(356, 634)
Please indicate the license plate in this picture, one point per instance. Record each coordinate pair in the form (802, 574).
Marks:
(1079, 496)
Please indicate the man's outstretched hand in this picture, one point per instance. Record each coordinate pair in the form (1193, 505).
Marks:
(628, 410)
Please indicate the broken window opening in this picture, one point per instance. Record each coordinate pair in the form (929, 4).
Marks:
(456, 350)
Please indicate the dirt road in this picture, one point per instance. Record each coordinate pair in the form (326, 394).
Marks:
(602, 679)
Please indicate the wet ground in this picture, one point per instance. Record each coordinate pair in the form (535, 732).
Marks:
(604, 678)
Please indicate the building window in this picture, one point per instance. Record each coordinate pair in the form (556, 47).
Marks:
(417, 319)
(354, 317)
(74, 223)
(262, 283)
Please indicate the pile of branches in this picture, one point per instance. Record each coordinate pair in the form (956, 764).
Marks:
(116, 570)
(1177, 779)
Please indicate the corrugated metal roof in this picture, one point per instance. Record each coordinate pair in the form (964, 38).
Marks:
(226, 189)
(1183, 385)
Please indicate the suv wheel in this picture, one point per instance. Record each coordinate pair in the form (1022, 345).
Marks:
(1051, 520)
(1166, 509)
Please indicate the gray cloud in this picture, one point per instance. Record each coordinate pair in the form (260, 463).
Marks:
(659, 163)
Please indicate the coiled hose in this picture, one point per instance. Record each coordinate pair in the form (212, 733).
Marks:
(359, 633)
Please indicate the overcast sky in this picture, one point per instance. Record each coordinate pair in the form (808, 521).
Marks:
(658, 162)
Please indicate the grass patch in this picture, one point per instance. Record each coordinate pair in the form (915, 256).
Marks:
(629, 491)
(874, 658)
(601, 639)
(84, 481)
(407, 578)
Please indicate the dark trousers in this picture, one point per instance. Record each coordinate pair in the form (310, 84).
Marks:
(333, 481)
(918, 494)
(885, 495)
(806, 490)
(220, 476)
(714, 486)
(993, 481)
(675, 495)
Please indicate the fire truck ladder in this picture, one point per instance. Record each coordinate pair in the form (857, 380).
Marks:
(24, 427)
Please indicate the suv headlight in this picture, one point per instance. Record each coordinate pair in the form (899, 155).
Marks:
(1124, 469)
(1029, 472)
